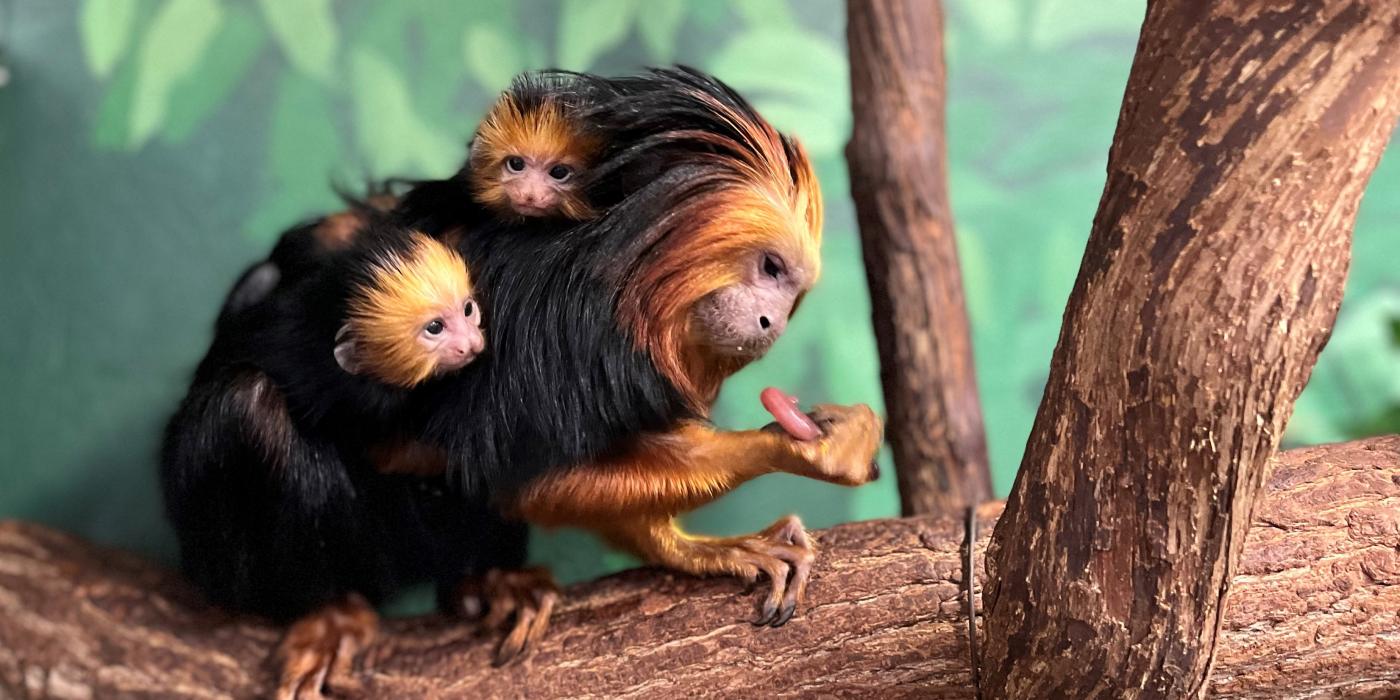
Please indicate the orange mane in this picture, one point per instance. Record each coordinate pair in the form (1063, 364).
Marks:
(759, 194)
(404, 292)
(544, 131)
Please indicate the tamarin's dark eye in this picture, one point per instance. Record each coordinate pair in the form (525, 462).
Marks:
(434, 326)
(772, 267)
(515, 164)
(561, 172)
(469, 309)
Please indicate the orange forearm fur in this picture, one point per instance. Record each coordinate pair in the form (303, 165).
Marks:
(661, 476)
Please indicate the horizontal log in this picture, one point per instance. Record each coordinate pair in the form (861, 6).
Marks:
(1314, 612)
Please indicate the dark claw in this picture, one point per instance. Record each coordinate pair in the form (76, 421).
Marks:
(785, 614)
(767, 615)
(874, 470)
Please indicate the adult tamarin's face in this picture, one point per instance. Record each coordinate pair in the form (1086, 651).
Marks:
(745, 318)
(730, 258)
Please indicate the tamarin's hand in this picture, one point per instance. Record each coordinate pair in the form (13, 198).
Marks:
(845, 453)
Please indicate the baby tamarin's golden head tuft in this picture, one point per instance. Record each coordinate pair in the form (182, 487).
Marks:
(529, 151)
(411, 315)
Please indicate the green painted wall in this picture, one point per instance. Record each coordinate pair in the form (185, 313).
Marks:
(152, 148)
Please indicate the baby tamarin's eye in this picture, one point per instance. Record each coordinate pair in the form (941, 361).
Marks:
(469, 309)
(434, 327)
(561, 172)
(515, 164)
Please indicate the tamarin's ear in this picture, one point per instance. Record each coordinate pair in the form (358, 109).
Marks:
(347, 351)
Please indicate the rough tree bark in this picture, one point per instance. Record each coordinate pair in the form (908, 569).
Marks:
(899, 164)
(1315, 612)
(1210, 283)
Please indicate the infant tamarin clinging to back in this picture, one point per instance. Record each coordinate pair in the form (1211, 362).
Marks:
(274, 511)
(526, 160)
(255, 449)
(530, 150)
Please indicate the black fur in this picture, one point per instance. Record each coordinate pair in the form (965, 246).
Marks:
(561, 383)
(264, 472)
(298, 254)
(565, 385)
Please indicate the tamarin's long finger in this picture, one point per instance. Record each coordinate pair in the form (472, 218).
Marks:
(514, 642)
(311, 683)
(302, 665)
(541, 622)
(777, 575)
(796, 591)
(503, 601)
(341, 677)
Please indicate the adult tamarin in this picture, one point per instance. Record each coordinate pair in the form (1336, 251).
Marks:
(617, 333)
(261, 466)
(610, 339)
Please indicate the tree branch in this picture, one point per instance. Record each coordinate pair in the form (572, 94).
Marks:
(1210, 283)
(1315, 611)
(899, 180)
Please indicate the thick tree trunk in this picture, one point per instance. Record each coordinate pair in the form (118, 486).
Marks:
(899, 180)
(1315, 612)
(1210, 283)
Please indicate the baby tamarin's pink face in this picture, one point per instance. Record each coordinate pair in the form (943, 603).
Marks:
(537, 186)
(416, 316)
(452, 337)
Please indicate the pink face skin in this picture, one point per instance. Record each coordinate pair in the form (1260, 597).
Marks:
(744, 320)
(454, 337)
(535, 186)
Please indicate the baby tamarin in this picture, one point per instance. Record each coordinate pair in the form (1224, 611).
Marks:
(530, 150)
(410, 314)
(526, 160)
(263, 480)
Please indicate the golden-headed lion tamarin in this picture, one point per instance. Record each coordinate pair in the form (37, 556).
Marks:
(273, 510)
(611, 335)
(531, 148)
(618, 333)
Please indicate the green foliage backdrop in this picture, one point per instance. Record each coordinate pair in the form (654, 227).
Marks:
(152, 148)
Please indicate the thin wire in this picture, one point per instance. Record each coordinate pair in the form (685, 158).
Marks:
(969, 585)
(6, 20)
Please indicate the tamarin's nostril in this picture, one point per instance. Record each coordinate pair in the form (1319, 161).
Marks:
(764, 322)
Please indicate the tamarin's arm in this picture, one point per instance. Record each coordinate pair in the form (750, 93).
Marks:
(669, 474)
(632, 500)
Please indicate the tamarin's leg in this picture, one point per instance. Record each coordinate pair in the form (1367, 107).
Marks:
(782, 552)
(318, 651)
(270, 522)
(478, 559)
(524, 598)
(632, 499)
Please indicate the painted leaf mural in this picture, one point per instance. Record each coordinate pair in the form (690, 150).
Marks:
(199, 129)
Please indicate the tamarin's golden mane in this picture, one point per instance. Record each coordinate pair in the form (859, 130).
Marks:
(544, 131)
(756, 192)
(405, 290)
